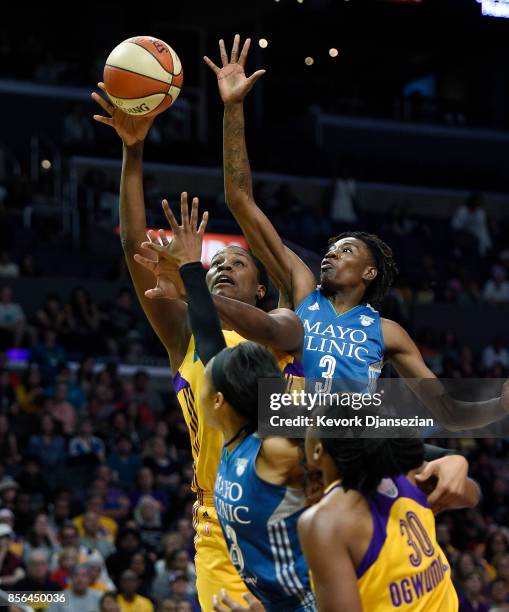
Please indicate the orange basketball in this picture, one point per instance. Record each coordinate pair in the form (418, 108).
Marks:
(143, 76)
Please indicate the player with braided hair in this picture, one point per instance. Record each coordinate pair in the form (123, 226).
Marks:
(374, 527)
(345, 337)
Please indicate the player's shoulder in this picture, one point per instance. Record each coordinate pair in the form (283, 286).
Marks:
(276, 449)
(395, 336)
(335, 515)
(313, 296)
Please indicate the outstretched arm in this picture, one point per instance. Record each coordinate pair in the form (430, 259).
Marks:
(280, 329)
(452, 414)
(169, 321)
(290, 274)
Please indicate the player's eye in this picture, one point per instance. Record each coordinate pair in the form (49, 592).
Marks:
(347, 250)
(238, 262)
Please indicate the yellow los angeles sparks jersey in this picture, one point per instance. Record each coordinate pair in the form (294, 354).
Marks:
(206, 442)
(404, 567)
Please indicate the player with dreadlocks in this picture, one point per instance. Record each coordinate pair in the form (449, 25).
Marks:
(374, 526)
(346, 338)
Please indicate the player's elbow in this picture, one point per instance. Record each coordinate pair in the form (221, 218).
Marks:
(473, 494)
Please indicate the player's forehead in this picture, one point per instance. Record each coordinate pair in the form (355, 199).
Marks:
(355, 243)
(231, 250)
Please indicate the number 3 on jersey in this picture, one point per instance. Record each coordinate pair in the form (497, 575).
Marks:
(329, 363)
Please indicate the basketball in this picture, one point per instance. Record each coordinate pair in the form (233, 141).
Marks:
(143, 76)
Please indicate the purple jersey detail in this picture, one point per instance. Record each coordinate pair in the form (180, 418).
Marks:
(179, 382)
(294, 369)
(380, 507)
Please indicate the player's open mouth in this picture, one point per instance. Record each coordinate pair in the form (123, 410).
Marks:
(223, 280)
(325, 265)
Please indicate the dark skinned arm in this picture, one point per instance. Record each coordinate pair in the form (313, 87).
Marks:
(290, 274)
(452, 414)
(280, 329)
(169, 323)
(168, 319)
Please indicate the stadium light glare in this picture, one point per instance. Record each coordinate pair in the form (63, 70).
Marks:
(263, 42)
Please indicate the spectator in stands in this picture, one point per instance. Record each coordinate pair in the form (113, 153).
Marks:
(124, 462)
(28, 267)
(96, 537)
(143, 567)
(129, 599)
(32, 481)
(472, 600)
(13, 325)
(49, 355)
(496, 547)
(41, 537)
(30, 393)
(7, 519)
(496, 289)
(175, 562)
(79, 598)
(95, 503)
(60, 511)
(109, 603)
(97, 574)
(75, 394)
(84, 321)
(53, 316)
(127, 543)
(470, 221)
(145, 485)
(8, 490)
(179, 590)
(85, 449)
(121, 319)
(147, 515)
(67, 561)
(116, 501)
(8, 268)
(11, 569)
(162, 464)
(495, 353)
(63, 411)
(471, 293)
(7, 393)
(502, 567)
(8, 444)
(499, 596)
(47, 446)
(37, 578)
(145, 395)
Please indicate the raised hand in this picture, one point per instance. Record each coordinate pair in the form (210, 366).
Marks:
(168, 282)
(231, 78)
(187, 238)
(132, 130)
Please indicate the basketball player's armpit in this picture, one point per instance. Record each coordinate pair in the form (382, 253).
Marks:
(205, 324)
